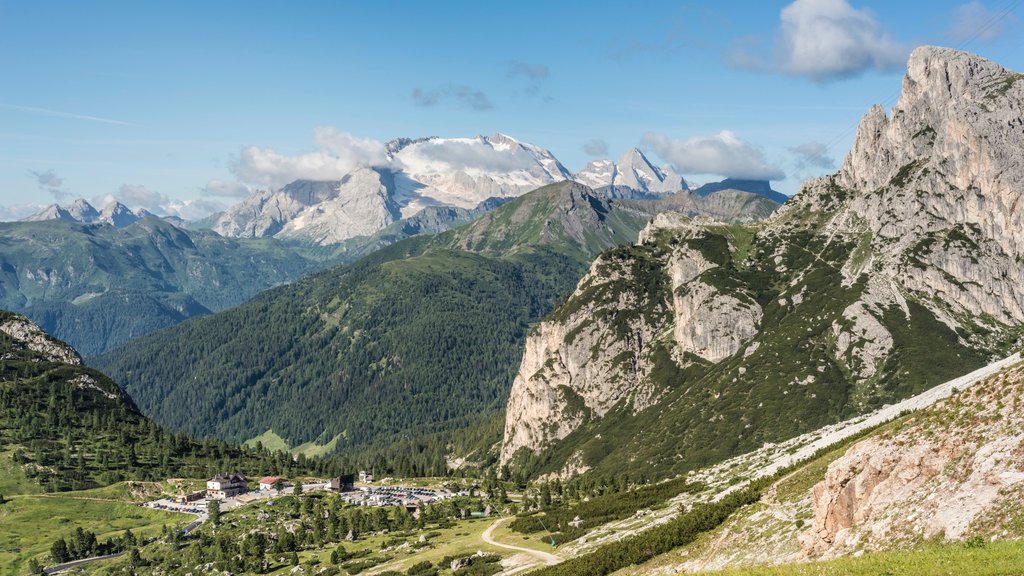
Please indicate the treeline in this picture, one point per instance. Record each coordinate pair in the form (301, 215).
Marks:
(569, 513)
(83, 544)
(658, 540)
(428, 456)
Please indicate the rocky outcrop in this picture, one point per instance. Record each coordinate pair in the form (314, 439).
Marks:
(711, 324)
(594, 354)
(25, 333)
(945, 473)
(573, 370)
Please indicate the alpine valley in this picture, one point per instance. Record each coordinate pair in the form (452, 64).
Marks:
(497, 366)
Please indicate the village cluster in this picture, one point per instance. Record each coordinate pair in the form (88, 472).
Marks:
(233, 490)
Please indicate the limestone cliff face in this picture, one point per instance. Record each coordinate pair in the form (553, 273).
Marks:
(27, 334)
(573, 370)
(595, 353)
(951, 472)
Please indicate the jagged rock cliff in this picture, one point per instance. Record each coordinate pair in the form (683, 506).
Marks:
(901, 270)
(950, 472)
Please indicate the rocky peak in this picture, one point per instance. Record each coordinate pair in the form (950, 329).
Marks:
(936, 185)
(117, 214)
(82, 211)
(51, 212)
(637, 172)
(950, 102)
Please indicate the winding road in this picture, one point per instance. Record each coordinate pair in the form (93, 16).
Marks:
(546, 557)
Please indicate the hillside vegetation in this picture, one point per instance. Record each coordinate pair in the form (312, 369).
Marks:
(427, 331)
(64, 426)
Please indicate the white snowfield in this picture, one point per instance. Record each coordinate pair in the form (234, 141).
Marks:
(771, 458)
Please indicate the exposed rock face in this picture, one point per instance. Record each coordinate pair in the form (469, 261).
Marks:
(950, 472)
(26, 333)
(711, 324)
(594, 354)
(360, 206)
(938, 184)
(572, 371)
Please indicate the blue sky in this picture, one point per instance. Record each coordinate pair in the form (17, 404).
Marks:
(158, 103)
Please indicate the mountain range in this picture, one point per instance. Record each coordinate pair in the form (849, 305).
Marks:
(434, 172)
(114, 213)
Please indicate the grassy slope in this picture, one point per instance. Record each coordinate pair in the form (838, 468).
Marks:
(993, 559)
(30, 522)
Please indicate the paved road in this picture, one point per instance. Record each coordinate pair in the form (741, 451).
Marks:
(545, 557)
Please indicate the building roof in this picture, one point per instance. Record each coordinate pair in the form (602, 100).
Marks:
(269, 479)
(223, 477)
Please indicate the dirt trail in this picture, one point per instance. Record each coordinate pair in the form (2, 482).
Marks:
(545, 557)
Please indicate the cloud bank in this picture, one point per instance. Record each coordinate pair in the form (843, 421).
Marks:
(811, 156)
(723, 154)
(824, 40)
(136, 196)
(339, 153)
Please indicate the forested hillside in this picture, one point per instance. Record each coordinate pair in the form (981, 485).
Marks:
(426, 333)
(69, 427)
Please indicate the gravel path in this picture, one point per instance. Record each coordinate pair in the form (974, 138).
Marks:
(546, 557)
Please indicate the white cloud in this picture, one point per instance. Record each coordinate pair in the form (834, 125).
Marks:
(825, 40)
(723, 154)
(463, 155)
(595, 147)
(339, 154)
(193, 209)
(226, 189)
(138, 196)
(812, 155)
(466, 95)
(536, 75)
(974, 21)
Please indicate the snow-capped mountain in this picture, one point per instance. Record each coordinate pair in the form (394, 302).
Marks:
(114, 213)
(459, 172)
(632, 174)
